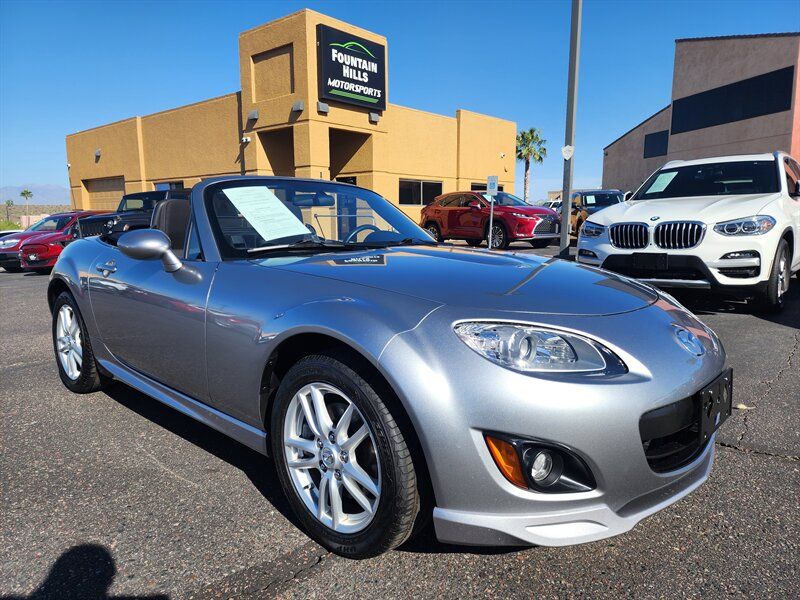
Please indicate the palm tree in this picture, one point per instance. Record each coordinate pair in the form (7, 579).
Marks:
(530, 147)
(27, 194)
(9, 204)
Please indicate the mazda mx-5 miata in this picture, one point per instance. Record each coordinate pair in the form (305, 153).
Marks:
(513, 398)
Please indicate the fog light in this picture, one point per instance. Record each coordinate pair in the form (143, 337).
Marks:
(586, 253)
(740, 254)
(542, 466)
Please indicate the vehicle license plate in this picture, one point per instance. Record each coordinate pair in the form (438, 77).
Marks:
(716, 401)
(650, 261)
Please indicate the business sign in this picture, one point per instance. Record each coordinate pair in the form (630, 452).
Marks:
(351, 69)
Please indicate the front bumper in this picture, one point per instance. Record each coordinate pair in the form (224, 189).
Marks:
(534, 229)
(701, 267)
(454, 395)
(38, 257)
(9, 259)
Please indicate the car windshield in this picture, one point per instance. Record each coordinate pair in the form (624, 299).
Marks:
(259, 215)
(713, 179)
(602, 199)
(505, 199)
(55, 223)
(140, 202)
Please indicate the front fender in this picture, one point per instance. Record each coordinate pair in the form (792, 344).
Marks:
(253, 309)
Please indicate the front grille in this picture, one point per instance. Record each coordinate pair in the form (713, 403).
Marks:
(629, 235)
(546, 226)
(678, 235)
(92, 227)
(671, 436)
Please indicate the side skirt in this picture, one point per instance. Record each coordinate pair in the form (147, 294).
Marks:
(248, 435)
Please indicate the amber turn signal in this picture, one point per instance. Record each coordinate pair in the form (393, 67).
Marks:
(507, 460)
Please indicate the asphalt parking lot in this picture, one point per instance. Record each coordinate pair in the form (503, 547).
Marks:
(113, 495)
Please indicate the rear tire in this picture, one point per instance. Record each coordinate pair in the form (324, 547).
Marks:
(433, 229)
(384, 458)
(773, 299)
(75, 360)
(541, 243)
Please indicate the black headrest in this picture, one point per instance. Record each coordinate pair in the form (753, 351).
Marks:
(172, 217)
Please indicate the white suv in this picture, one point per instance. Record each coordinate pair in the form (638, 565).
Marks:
(730, 224)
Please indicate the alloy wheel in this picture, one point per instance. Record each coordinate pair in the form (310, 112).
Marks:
(69, 342)
(783, 274)
(332, 458)
(434, 232)
(498, 236)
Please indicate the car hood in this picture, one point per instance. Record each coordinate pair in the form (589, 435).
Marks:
(26, 236)
(708, 209)
(478, 279)
(44, 238)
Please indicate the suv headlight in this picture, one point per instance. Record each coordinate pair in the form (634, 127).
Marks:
(592, 230)
(523, 216)
(534, 349)
(9, 243)
(757, 225)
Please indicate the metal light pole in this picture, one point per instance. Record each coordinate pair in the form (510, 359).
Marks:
(569, 137)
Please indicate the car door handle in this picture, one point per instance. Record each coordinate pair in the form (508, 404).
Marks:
(106, 269)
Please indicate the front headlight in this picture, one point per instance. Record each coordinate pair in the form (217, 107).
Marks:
(591, 230)
(757, 225)
(523, 216)
(9, 243)
(534, 349)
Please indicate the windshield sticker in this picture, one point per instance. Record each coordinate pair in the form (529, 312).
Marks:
(661, 182)
(265, 212)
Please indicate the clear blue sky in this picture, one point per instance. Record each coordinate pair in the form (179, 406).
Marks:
(67, 66)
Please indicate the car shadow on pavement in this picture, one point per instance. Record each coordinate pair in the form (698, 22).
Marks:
(84, 572)
(425, 542)
(704, 303)
(259, 469)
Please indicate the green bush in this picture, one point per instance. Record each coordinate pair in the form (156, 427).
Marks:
(5, 225)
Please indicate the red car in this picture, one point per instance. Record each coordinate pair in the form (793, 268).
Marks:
(465, 216)
(39, 245)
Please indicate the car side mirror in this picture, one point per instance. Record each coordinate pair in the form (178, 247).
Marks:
(149, 244)
(628, 195)
(475, 205)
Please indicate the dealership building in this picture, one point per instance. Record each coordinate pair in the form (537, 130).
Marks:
(313, 103)
(730, 95)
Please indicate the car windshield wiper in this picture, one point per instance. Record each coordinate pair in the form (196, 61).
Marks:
(301, 245)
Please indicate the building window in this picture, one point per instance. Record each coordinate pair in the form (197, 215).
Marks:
(169, 185)
(762, 95)
(413, 191)
(656, 144)
(481, 187)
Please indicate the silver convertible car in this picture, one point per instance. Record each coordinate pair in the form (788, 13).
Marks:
(514, 399)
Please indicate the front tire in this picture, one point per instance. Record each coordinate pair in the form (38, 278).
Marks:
(13, 269)
(773, 299)
(541, 243)
(342, 459)
(499, 237)
(75, 360)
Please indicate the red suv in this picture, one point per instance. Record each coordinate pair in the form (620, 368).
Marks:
(40, 245)
(465, 216)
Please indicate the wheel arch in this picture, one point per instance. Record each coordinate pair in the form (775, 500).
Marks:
(54, 289)
(298, 345)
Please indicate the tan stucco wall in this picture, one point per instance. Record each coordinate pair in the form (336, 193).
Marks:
(278, 67)
(701, 65)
